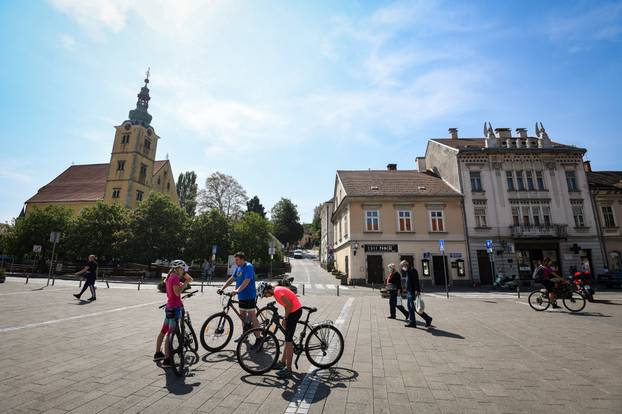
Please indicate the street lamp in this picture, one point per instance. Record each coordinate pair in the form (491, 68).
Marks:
(355, 247)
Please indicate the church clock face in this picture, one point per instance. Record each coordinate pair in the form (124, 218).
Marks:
(127, 126)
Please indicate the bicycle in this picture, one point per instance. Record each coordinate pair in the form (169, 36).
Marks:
(571, 299)
(183, 339)
(323, 346)
(217, 329)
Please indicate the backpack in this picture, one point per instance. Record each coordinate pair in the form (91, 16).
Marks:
(538, 274)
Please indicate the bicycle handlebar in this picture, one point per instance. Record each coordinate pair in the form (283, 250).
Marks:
(187, 295)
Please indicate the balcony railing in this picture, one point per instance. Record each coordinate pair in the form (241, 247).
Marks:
(556, 231)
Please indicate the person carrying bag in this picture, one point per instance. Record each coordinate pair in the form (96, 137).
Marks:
(413, 292)
(394, 287)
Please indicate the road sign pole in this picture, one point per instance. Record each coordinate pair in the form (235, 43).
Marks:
(445, 271)
(51, 262)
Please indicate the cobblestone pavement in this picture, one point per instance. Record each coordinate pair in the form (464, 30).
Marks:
(488, 353)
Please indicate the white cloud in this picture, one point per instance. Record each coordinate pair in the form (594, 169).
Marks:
(579, 27)
(96, 16)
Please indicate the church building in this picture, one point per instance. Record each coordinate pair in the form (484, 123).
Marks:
(132, 173)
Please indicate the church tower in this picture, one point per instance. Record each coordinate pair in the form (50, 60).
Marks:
(132, 161)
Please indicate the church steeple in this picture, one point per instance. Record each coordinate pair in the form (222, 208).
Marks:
(140, 114)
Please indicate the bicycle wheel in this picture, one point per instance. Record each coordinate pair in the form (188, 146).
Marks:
(190, 337)
(539, 300)
(176, 345)
(574, 302)
(216, 332)
(258, 361)
(324, 346)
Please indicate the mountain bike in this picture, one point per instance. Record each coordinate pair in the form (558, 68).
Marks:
(571, 298)
(323, 346)
(217, 329)
(182, 340)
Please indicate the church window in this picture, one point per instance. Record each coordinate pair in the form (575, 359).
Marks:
(139, 196)
(143, 173)
(125, 139)
(158, 180)
(121, 165)
(147, 146)
(168, 186)
(116, 192)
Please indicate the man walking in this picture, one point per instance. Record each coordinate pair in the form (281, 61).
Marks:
(412, 290)
(90, 273)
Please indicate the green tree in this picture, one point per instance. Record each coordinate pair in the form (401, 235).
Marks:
(157, 230)
(207, 229)
(98, 230)
(187, 191)
(35, 228)
(251, 234)
(316, 224)
(286, 222)
(254, 205)
(224, 193)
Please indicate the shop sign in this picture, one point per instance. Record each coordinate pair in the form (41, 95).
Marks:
(381, 248)
(455, 255)
(426, 255)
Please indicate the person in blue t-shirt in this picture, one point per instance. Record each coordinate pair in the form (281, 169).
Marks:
(244, 277)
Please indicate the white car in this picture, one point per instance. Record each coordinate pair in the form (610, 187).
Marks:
(297, 254)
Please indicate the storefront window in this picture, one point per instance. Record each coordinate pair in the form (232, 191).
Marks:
(615, 261)
(425, 268)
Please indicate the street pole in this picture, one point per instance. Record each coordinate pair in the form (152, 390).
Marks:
(51, 262)
(492, 268)
(446, 278)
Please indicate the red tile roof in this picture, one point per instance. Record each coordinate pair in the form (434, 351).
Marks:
(79, 183)
(393, 183)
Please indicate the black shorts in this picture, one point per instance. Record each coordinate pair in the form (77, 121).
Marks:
(247, 304)
(548, 284)
(290, 325)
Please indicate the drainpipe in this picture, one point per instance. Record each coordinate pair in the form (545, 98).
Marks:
(464, 223)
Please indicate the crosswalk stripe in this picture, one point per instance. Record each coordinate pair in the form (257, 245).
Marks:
(319, 286)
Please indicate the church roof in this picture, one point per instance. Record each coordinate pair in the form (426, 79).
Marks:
(79, 183)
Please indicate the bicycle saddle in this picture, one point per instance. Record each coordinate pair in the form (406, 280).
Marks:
(311, 310)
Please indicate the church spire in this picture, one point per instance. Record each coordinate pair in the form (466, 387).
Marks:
(140, 114)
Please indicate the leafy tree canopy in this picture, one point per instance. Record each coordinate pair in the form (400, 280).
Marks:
(223, 193)
(187, 191)
(255, 206)
(251, 234)
(286, 222)
(207, 229)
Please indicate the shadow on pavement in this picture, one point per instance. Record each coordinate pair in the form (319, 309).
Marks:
(607, 302)
(439, 332)
(317, 385)
(177, 385)
(598, 314)
(81, 302)
(220, 356)
(267, 380)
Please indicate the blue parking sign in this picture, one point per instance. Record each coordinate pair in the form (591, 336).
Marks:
(441, 245)
(489, 245)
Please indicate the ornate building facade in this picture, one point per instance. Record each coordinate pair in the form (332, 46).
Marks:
(527, 195)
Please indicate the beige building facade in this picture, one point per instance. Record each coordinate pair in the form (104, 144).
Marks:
(606, 190)
(383, 217)
(129, 177)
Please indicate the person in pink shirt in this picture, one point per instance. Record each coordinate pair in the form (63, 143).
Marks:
(293, 311)
(174, 310)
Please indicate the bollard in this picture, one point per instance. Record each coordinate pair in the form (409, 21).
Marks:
(518, 290)
(139, 285)
(53, 280)
(107, 284)
(27, 277)
(303, 289)
(337, 290)
(79, 284)
(201, 286)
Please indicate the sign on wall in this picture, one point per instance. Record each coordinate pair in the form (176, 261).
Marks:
(381, 248)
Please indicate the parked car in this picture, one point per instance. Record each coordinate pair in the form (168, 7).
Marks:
(297, 254)
(611, 279)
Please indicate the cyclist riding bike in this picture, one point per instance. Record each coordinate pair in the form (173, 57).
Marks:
(546, 275)
(293, 311)
(244, 277)
(174, 310)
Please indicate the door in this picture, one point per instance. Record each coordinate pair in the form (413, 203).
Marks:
(374, 269)
(483, 264)
(439, 270)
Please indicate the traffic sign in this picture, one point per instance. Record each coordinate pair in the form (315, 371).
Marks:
(441, 245)
(214, 249)
(36, 248)
(55, 236)
(489, 246)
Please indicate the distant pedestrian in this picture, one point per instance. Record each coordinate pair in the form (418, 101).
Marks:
(208, 271)
(394, 287)
(90, 273)
(413, 289)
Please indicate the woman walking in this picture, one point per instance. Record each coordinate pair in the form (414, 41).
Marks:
(394, 287)
(90, 273)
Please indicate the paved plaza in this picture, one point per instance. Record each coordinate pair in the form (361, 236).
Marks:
(487, 353)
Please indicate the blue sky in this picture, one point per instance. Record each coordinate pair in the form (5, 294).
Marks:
(282, 94)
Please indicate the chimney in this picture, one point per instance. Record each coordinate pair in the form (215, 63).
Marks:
(587, 166)
(503, 132)
(421, 164)
(391, 167)
(453, 133)
(522, 132)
